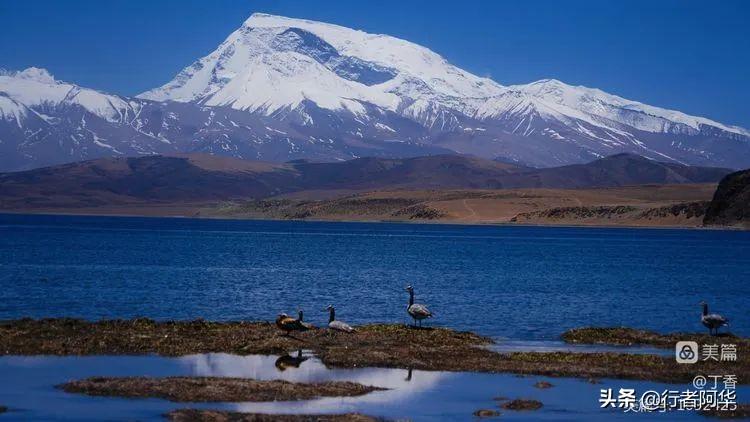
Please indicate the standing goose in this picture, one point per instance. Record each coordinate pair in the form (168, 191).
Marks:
(712, 321)
(288, 324)
(302, 320)
(337, 325)
(417, 311)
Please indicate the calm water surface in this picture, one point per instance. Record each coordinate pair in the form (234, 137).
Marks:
(522, 283)
(28, 390)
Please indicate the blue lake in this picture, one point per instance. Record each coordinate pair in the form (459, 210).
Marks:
(524, 283)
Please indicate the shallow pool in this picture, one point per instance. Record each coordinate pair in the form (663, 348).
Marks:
(28, 389)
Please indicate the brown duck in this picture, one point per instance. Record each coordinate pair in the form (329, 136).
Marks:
(288, 324)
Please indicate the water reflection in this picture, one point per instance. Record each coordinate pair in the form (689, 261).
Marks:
(308, 369)
(287, 361)
(28, 389)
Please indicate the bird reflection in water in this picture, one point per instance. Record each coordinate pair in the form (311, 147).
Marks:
(287, 361)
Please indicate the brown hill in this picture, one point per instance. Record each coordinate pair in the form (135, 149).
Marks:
(196, 178)
(615, 170)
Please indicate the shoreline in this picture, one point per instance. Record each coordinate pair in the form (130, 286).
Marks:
(375, 221)
(374, 345)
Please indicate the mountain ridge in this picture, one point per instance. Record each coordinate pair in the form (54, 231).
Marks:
(279, 89)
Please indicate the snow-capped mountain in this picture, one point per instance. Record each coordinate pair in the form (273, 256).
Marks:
(274, 62)
(44, 121)
(280, 88)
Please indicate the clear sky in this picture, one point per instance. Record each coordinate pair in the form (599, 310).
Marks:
(693, 56)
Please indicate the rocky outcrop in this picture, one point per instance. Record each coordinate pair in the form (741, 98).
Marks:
(731, 203)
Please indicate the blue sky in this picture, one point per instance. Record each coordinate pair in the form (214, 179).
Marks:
(687, 55)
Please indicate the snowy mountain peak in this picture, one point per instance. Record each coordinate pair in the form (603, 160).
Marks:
(36, 74)
(266, 20)
(32, 73)
(281, 88)
(37, 88)
(602, 105)
(273, 62)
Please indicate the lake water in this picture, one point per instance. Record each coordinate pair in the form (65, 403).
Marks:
(519, 283)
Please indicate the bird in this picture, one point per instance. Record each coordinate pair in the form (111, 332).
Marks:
(302, 320)
(712, 321)
(337, 325)
(288, 324)
(417, 311)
